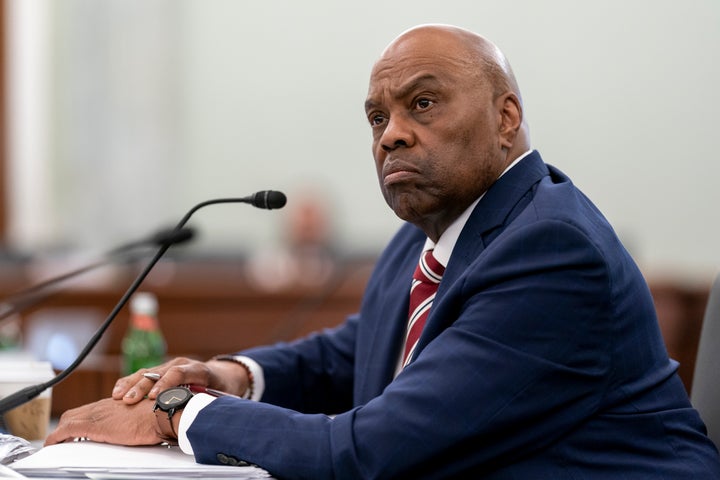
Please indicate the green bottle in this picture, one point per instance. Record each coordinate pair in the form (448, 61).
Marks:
(143, 345)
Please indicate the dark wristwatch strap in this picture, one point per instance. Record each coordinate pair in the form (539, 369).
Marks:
(165, 424)
(164, 421)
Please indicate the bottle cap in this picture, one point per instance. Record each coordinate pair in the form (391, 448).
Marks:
(144, 303)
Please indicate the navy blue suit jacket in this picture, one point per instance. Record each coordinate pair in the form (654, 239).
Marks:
(541, 359)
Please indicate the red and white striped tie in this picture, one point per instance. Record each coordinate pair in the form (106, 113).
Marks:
(425, 283)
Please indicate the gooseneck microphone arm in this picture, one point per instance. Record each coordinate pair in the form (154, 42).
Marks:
(266, 199)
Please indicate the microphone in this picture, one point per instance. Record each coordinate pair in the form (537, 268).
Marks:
(28, 297)
(268, 200)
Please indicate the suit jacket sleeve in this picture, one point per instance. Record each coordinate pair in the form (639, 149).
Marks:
(312, 375)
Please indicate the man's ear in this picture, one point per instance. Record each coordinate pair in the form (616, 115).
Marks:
(511, 116)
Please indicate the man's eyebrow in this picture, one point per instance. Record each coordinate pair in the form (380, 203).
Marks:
(417, 82)
(421, 81)
(369, 105)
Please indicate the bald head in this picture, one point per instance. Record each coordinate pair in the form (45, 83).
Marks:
(480, 56)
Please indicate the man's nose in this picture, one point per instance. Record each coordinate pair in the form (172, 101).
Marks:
(397, 134)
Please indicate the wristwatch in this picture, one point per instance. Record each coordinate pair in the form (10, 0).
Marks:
(167, 404)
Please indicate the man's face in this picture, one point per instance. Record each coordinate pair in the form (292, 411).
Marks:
(435, 130)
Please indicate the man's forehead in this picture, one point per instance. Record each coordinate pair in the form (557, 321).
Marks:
(455, 45)
(397, 77)
(425, 49)
(440, 54)
(417, 67)
(427, 45)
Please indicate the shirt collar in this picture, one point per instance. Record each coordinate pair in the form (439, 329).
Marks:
(444, 247)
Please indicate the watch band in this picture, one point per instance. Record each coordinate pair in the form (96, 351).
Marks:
(165, 424)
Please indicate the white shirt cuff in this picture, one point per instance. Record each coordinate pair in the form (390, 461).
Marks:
(193, 407)
(257, 373)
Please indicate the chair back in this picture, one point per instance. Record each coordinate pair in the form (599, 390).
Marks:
(705, 392)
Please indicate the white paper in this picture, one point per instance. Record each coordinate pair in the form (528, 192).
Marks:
(102, 461)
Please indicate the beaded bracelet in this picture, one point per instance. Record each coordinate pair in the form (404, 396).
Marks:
(251, 381)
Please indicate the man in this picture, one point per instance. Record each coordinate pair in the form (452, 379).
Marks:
(540, 358)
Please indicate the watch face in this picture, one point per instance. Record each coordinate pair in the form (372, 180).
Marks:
(173, 398)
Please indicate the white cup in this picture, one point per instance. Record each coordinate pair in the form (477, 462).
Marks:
(30, 420)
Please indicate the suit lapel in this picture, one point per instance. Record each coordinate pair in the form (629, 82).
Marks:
(501, 203)
(384, 327)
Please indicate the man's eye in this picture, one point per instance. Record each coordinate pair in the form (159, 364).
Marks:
(423, 103)
(377, 119)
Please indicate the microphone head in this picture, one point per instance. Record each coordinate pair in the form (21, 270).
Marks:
(268, 199)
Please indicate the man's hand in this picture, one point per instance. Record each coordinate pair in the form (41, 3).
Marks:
(225, 376)
(109, 421)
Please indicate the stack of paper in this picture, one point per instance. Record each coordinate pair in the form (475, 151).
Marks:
(100, 461)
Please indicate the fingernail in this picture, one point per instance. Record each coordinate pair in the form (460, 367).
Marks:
(130, 394)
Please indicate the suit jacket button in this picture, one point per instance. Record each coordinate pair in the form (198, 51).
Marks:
(222, 458)
(232, 461)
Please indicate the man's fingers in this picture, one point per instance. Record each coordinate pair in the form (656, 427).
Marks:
(182, 374)
(124, 384)
(150, 382)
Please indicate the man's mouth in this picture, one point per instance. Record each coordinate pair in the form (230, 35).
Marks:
(398, 173)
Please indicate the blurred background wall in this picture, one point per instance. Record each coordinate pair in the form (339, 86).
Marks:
(122, 114)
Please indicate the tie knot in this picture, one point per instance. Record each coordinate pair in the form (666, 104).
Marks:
(429, 270)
